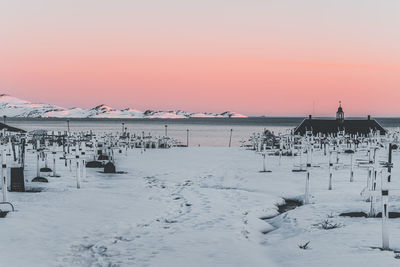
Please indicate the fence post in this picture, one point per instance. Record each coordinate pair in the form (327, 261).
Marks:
(230, 138)
(351, 169)
(330, 171)
(4, 175)
(385, 215)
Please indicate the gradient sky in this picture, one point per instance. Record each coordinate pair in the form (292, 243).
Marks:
(257, 57)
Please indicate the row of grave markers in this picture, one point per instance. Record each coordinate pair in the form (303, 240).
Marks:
(334, 145)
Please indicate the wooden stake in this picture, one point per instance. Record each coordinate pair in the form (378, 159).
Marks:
(4, 176)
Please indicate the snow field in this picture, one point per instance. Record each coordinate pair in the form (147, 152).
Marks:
(198, 207)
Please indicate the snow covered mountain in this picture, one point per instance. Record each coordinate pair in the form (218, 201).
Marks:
(14, 107)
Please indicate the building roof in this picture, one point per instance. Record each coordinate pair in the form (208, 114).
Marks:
(10, 128)
(332, 126)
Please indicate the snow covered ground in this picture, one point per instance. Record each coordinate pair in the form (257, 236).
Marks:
(196, 207)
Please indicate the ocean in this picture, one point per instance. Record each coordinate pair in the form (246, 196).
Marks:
(202, 131)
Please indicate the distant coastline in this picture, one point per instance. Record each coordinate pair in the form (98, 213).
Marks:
(276, 121)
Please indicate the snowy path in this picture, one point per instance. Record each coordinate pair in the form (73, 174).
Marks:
(197, 206)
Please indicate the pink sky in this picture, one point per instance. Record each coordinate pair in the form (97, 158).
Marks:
(253, 57)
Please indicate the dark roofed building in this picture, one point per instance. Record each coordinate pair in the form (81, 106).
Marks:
(333, 126)
(10, 128)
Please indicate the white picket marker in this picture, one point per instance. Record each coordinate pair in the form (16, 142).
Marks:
(83, 164)
(264, 168)
(306, 194)
(45, 159)
(369, 154)
(4, 175)
(385, 214)
(337, 155)
(311, 154)
(371, 186)
(301, 156)
(54, 160)
(369, 177)
(351, 168)
(330, 170)
(78, 171)
(37, 164)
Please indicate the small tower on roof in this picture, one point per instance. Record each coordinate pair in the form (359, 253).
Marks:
(340, 113)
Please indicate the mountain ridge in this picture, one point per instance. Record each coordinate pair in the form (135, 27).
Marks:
(18, 108)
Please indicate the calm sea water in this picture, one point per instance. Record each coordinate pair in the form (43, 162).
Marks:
(202, 131)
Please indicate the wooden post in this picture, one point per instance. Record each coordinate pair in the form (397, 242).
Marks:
(68, 135)
(78, 171)
(230, 138)
(372, 210)
(4, 175)
(301, 156)
(351, 168)
(390, 163)
(83, 153)
(54, 160)
(330, 171)
(337, 156)
(187, 138)
(37, 164)
(264, 167)
(307, 189)
(306, 194)
(385, 215)
(385, 202)
(369, 177)
(369, 154)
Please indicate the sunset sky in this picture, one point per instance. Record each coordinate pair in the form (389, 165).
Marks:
(256, 57)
